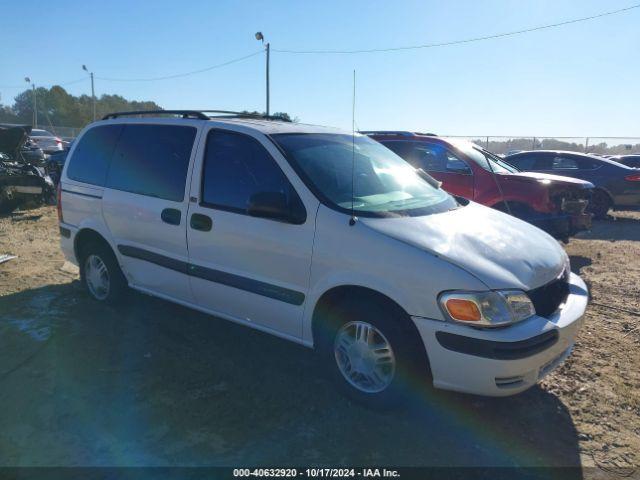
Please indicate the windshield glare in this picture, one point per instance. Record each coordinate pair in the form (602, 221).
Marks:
(482, 157)
(381, 181)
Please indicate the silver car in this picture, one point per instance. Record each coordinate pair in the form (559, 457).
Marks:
(46, 140)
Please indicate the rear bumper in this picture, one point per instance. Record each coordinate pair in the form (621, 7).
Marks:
(506, 361)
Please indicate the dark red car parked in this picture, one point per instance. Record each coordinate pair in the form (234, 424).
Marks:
(555, 204)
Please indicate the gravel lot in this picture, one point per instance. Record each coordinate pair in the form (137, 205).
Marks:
(151, 383)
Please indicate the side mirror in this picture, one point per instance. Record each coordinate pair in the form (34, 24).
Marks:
(274, 205)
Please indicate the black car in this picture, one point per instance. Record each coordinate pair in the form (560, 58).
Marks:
(21, 181)
(617, 185)
(632, 160)
(29, 152)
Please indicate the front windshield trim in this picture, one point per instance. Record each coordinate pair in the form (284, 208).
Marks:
(495, 159)
(469, 149)
(413, 212)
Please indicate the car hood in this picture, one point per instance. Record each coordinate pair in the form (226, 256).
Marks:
(549, 179)
(12, 138)
(498, 249)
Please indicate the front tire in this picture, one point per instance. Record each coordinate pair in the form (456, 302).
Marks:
(600, 204)
(370, 354)
(101, 275)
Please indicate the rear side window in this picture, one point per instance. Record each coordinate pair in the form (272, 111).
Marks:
(564, 163)
(530, 162)
(522, 163)
(152, 160)
(585, 163)
(236, 166)
(90, 160)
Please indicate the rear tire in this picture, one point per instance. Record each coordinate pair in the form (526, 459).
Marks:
(370, 354)
(100, 273)
(600, 204)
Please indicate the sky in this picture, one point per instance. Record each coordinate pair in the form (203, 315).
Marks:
(575, 80)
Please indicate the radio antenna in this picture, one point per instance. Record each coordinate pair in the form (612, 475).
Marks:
(495, 179)
(353, 219)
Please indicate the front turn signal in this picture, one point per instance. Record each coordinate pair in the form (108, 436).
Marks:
(463, 310)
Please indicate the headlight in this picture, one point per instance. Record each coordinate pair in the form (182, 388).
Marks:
(487, 309)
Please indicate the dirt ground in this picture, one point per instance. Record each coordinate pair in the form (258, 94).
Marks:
(151, 383)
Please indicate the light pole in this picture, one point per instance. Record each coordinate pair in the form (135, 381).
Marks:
(260, 37)
(93, 92)
(35, 102)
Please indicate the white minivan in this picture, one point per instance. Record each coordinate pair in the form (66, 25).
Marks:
(324, 238)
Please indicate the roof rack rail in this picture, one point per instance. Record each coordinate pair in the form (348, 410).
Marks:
(229, 113)
(199, 114)
(426, 134)
(387, 132)
(183, 113)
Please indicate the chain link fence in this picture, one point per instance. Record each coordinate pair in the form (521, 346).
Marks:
(600, 145)
(62, 132)
(500, 144)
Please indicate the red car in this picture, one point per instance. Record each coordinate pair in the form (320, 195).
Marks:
(555, 204)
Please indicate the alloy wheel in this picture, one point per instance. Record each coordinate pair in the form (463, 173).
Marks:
(97, 277)
(364, 357)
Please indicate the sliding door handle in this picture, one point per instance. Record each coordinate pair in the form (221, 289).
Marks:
(171, 216)
(201, 222)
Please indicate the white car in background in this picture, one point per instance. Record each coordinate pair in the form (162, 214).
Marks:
(46, 140)
(324, 238)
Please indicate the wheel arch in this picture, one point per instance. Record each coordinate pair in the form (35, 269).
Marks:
(605, 191)
(85, 236)
(333, 296)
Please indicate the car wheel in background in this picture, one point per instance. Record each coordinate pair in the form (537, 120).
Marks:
(600, 204)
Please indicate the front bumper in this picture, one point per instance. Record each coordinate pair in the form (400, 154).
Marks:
(510, 359)
(561, 225)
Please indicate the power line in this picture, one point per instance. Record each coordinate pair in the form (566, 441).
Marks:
(372, 50)
(149, 79)
(70, 82)
(178, 75)
(467, 40)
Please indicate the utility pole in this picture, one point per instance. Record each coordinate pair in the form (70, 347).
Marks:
(93, 92)
(268, 51)
(35, 102)
(260, 37)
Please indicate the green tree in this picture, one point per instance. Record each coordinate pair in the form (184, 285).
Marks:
(57, 107)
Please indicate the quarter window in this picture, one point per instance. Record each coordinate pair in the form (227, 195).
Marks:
(152, 160)
(90, 160)
(236, 167)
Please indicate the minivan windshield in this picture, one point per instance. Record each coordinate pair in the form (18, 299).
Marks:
(335, 165)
